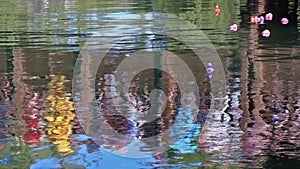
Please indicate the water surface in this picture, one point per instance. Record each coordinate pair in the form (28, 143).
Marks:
(40, 42)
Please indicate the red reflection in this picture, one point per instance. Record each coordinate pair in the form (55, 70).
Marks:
(31, 138)
(217, 10)
(30, 117)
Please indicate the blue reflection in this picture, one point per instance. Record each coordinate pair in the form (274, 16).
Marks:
(114, 161)
(50, 162)
(185, 130)
(92, 160)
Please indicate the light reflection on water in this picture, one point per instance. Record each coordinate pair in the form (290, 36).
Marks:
(42, 39)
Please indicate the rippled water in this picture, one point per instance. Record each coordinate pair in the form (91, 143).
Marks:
(48, 122)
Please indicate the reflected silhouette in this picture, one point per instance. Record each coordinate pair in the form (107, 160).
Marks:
(142, 119)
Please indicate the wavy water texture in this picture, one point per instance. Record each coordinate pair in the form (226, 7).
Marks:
(40, 41)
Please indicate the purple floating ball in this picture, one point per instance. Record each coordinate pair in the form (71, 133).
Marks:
(210, 70)
(261, 20)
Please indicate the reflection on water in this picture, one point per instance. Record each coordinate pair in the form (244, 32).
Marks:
(60, 113)
(39, 44)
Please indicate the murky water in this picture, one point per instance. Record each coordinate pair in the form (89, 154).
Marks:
(48, 122)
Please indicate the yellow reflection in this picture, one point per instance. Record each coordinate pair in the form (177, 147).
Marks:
(60, 114)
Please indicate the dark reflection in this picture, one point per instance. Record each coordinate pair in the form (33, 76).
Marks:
(143, 85)
(136, 122)
(273, 93)
(281, 162)
(150, 129)
(283, 9)
(6, 111)
(119, 123)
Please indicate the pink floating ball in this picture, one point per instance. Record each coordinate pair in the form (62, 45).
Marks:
(233, 27)
(269, 16)
(284, 21)
(266, 33)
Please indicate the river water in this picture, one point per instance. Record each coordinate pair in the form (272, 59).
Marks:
(61, 106)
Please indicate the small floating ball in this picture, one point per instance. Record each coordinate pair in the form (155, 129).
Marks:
(253, 19)
(284, 21)
(233, 27)
(266, 33)
(269, 16)
(261, 20)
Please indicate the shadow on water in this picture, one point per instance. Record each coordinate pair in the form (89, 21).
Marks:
(40, 42)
